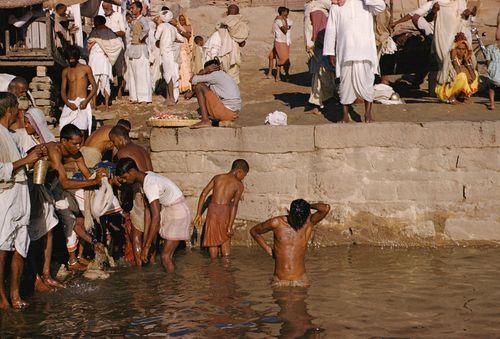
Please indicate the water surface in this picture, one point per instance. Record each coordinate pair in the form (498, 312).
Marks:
(356, 292)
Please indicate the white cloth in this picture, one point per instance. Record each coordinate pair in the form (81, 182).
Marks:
(140, 80)
(115, 22)
(37, 120)
(424, 9)
(356, 81)
(5, 80)
(425, 26)
(168, 35)
(276, 118)
(212, 46)
(279, 36)
(157, 187)
(81, 118)
(14, 198)
(349, 34)
(101, 69)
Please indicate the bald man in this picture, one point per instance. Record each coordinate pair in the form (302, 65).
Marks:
(19, 87)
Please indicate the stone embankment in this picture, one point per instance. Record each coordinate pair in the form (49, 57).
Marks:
(396, 184)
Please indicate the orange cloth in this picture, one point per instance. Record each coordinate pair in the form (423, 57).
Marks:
(216, 108)
(281, 52)
(217, 224)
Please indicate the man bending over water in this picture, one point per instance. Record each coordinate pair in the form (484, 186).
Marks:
(291, 235)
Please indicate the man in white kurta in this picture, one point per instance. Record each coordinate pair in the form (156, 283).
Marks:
(350, 42)
(168, 35)
(140, 89)
(14, 201)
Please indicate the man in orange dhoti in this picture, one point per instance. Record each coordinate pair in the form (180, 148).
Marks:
(226, 191)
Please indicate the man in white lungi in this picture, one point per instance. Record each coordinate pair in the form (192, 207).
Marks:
(14, 201)
(350, 43)
(168, 35)
(170, 216)
(140, 90)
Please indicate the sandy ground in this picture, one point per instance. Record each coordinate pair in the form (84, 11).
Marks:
(262, 96)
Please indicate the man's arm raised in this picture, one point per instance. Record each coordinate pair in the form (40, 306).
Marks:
(262, 228)
(321, 212)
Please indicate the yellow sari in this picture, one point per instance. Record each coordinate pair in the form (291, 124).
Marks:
(459, 85)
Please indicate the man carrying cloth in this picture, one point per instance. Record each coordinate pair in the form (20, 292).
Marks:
(14, 202)
(170, 216)
(226, 42)
(291, 235)
(217, 93)
(226, 191)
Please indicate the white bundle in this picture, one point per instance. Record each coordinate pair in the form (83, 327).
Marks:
(276, 118)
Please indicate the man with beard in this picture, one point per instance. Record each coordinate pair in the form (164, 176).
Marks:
(77, 77)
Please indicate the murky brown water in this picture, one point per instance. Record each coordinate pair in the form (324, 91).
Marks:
(357, 291)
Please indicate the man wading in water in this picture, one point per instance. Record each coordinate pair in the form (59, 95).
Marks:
(291, 235)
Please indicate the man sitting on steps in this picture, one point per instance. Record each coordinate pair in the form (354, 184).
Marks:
(217, 93)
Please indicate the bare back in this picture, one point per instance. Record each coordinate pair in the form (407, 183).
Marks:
(138, 154)
(290, 248)
(77, 80)
(225, 189)
(100, 139)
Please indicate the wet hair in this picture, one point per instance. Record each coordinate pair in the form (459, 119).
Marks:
(124, 123)
(119, 131)
(212, 62)
(137, 4)
(282, 10)
(17, 81)
(99, 20)
(299, 212)
(60, 6)
(198, 39)
(165, 8)
(241, 164)
(124, 165)
(72, 52)
(7, 100)
(69, 131)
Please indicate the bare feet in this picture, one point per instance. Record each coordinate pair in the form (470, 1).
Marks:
(369, 118)
(314, 111)
(76, 267)
(40, 285)
(52, 282)
(491, 106)
(169, 265)
(345, 120)
(201, 124)
(170, 102)
(4, 304)
(83, 261)
(18, 303)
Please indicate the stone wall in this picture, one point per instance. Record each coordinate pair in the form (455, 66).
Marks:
(398, 184)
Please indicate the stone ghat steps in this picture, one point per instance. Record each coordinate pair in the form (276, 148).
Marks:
(292, 4)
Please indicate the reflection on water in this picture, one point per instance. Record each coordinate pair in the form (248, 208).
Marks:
(357, 291)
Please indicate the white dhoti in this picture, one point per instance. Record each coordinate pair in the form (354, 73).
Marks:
(322, 85)
(356, 81)
(14, 218)
(171, 71)
(81, 118)
(102, 69)
(43, 217)
(67, 209)
(103, 84)
(140, 80)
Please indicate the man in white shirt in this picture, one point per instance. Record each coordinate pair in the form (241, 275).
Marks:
(350, 43)
(282, 41)
(116, 23)
(168, 35)
(170, 215)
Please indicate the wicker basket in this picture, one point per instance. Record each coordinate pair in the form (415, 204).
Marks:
(172, 123)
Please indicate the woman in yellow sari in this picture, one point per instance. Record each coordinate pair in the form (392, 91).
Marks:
(465, 78)
(186, 53)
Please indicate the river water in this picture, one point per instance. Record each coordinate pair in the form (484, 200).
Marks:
(356, 292)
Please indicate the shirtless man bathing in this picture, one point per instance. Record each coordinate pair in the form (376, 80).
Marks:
(140, 215)
(291, 235)
(68, 150)
(99, 143)
(227, 190)
(77, 77)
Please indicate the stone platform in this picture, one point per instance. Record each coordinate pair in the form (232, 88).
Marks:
(395, 184)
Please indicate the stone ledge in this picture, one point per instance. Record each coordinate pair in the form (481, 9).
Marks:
(409, 135)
